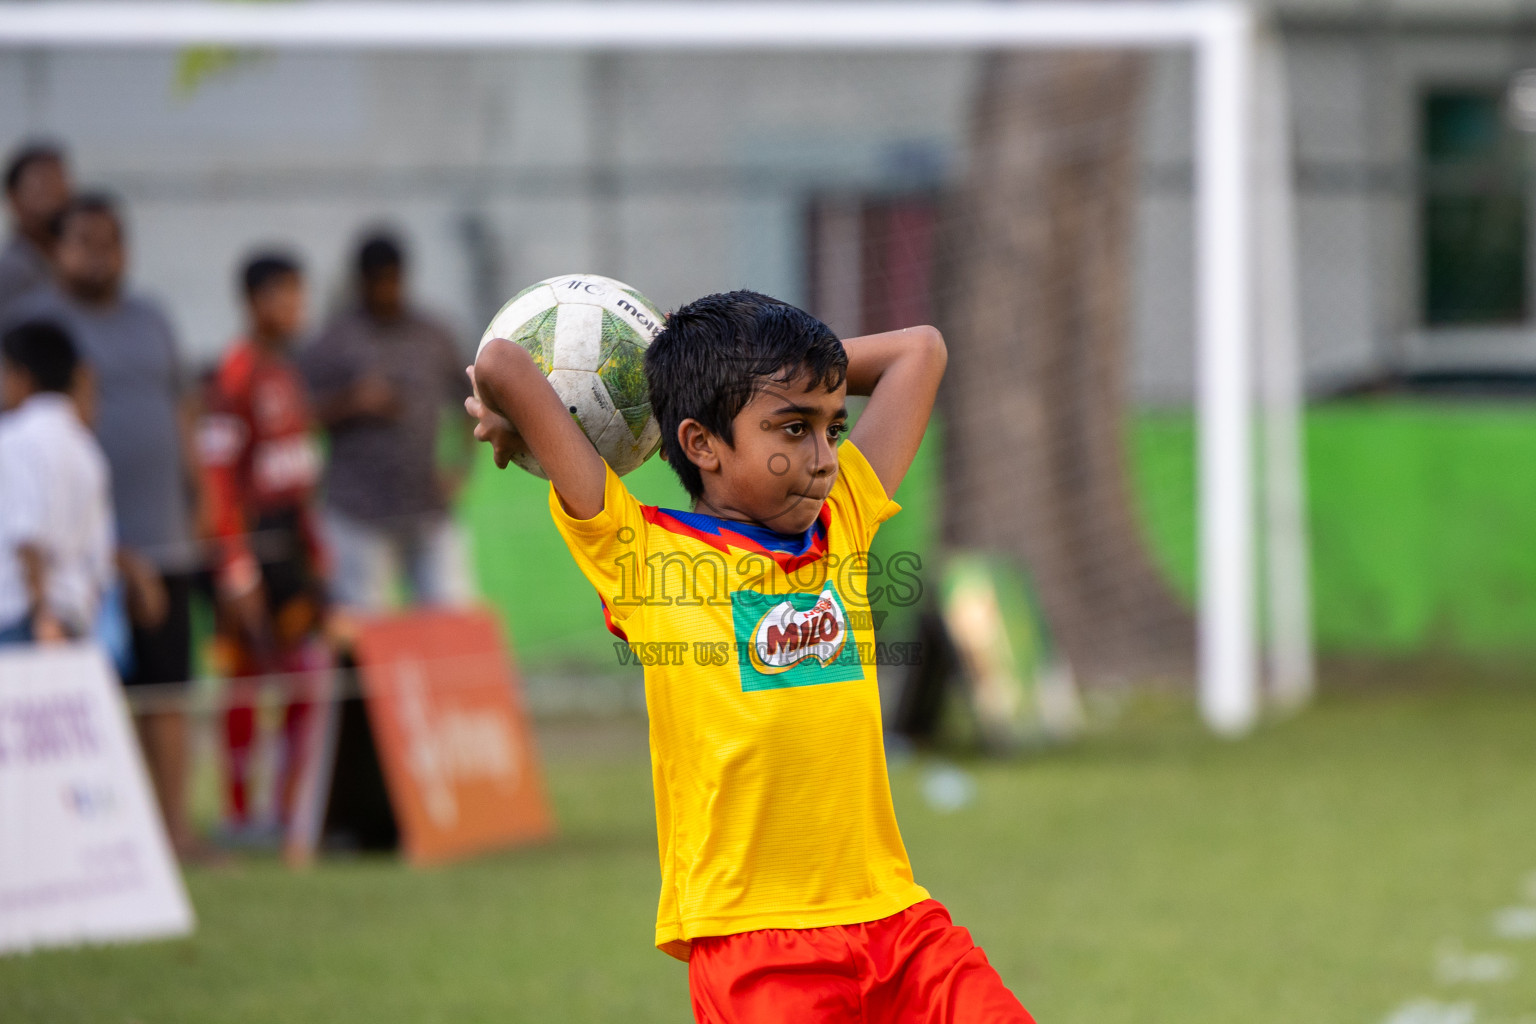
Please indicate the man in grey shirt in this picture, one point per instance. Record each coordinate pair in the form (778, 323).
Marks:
(143, 419)
(36, 189)
(383, 375)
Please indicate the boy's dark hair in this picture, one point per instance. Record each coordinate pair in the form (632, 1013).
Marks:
(381, 250)
(85, 203)
(265, 268)
(715, 353)
(45, 351)
(27, 154)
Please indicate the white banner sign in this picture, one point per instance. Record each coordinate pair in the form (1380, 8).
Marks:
(83, 854)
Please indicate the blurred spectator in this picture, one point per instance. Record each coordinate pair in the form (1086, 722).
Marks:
(383, 376)
(262, 468)
(56, 538)
(36, 189)
(144, 417)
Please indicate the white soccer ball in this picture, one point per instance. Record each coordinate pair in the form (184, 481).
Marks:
(589, 335)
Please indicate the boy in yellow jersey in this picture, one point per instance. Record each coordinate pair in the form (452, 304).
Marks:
(785, 884)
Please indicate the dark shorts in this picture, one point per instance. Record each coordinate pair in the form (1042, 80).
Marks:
(164, 654)
(287, 574)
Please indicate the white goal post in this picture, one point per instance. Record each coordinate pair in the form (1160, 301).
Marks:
(1242, 203)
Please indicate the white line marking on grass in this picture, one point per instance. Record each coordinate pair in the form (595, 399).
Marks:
(948, 789)
(1427, 1011)
(1515, 923)
(1454, 964)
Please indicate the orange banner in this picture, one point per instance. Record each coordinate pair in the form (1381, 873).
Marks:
(455, 742)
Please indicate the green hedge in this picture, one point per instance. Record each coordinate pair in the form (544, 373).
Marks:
(1422, 516)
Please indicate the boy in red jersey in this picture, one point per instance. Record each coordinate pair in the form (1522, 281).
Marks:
(262, 466)
(785, 884)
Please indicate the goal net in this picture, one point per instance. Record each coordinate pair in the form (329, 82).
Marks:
(1073, 193)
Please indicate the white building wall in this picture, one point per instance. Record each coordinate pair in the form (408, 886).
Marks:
(682, 174)
(690, 173)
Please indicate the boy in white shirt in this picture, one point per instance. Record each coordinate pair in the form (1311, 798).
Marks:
(56, 531)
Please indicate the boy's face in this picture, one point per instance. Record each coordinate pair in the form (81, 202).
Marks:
(90, 256)
(277, 309)
(784, 458)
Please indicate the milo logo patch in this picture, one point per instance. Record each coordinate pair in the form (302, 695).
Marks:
(793, 639)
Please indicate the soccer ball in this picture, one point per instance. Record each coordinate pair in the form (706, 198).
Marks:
(589, 335)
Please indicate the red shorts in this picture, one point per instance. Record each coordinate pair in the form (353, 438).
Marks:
(915, 966)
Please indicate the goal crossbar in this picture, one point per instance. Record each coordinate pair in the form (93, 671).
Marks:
(1220, 33)
(348, 24)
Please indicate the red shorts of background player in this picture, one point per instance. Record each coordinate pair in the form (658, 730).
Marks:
(911, 967)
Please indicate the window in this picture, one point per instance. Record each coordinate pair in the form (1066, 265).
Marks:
(870, 261)
(1473, 210)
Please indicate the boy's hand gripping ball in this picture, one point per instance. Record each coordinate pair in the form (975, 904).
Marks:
(589, 335)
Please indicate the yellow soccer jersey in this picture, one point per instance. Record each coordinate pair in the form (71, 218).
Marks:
(773, 809)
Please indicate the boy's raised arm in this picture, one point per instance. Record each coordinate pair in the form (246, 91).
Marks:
(900, 372)
(517, 408)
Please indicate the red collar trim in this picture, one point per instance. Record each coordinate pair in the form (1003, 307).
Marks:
(728, 538)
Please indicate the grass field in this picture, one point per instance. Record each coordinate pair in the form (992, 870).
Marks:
(1336, 867)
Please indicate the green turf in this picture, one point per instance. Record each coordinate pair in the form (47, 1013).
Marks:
(1151, 874)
